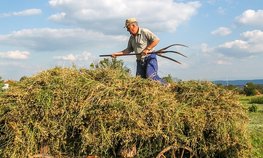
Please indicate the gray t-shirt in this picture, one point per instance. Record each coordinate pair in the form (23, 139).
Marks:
(139, 42)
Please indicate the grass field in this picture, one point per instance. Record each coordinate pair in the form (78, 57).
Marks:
(256, 124)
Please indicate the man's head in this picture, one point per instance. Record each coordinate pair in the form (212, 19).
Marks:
(130, 21)
(132, 25)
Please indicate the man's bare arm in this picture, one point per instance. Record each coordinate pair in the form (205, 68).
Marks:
(150, 46)
(125, 51)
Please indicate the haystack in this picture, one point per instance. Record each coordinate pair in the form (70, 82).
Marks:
(78, 112)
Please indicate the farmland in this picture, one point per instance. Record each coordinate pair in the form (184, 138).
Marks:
(255, 124)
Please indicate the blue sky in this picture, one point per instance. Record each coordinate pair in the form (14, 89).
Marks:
(225, 37)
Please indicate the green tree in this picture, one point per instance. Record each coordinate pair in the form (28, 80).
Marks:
(250, 89)
(259, 87)
(112, 63)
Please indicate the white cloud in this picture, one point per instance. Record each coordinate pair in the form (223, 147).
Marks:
(221, 31)
(235, 44)
(110, 15)
(27, 12)
(15, 54)
(212, 56)
(69, 57)
(57, 17)
(255, 40)
(48, 39)
(251, 17)
(85, 56)
(250, 44)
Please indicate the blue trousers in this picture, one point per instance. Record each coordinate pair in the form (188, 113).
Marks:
(148, 68)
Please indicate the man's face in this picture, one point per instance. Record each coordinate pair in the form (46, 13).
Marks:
(132, 28)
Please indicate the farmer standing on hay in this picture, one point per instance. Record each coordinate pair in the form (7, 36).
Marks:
(142, 41)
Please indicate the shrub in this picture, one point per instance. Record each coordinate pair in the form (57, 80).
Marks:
(250, 89)
(253, 108)
(256, 100)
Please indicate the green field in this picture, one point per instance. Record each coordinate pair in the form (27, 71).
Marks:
(256, 124)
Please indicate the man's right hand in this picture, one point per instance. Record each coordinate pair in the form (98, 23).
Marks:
(114, 55)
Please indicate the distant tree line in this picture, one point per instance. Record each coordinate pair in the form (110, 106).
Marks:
(250, 89)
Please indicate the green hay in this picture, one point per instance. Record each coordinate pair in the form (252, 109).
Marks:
(77, 112)
(220, 126)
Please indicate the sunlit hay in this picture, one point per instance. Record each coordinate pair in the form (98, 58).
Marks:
(217, 123)
(77, 112)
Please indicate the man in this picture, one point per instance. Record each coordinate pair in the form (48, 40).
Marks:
(142, 41)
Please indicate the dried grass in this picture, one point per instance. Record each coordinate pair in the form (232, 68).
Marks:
(78, 112)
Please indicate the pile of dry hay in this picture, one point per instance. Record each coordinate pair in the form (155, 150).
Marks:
(76, 112)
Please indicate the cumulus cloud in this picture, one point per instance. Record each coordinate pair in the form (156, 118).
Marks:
(221, 31)
(251, 17)
(27, 12)
(108, 15)
(69, 57)
(255, 40)
(57, 17)
(47, 39)
(211, 55)
(85, 56)
(15, 54)
(250, 44)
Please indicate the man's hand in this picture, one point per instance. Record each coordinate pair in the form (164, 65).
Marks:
(145, 52)
(114, 55)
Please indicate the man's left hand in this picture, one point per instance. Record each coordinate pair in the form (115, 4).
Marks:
(145, 52)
